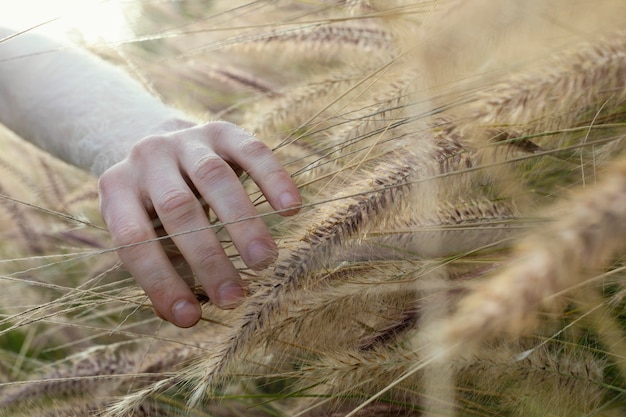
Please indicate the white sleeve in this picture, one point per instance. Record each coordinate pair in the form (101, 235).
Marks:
(73, 104)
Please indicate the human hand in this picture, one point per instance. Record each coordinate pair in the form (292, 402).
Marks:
(162, 175)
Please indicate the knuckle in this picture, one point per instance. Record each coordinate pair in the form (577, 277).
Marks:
(178, 203)
(210, 169)
(240, 211)
(110, 179)
(219, 128)
(105, 181)
(277, 175)
(103, 201)
(254, 148)
(205, 257)
(149, 146)
(129, 233)
(220, 132)
(214, 132)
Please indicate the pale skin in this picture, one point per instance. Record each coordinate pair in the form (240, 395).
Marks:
(151, 161)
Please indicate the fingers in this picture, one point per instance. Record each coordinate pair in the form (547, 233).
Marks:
(161, 175)
(184, 220)
(217, 183)
(132, 231)
(215, 180)
(238, 147)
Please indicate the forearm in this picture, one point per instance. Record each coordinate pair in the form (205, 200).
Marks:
(73, 104)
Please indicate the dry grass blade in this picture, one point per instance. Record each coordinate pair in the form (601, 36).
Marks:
(444, 261)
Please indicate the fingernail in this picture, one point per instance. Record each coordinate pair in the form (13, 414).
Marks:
(261, 254)
(186, 313)
(231, 295)
(288, 200)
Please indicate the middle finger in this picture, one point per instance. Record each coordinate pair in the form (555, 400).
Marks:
(184, 218)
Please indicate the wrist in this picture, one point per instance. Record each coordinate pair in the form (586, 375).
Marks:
(106, 153)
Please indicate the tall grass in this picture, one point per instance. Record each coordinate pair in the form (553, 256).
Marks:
(459, 247)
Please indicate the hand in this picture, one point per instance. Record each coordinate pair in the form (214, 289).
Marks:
(162, 175)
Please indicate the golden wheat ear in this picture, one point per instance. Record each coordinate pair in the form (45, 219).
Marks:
(383, 191)
(589, 231)
(564, 379)
(88, 382)
(380, 191)
(332, 37)
(583, 87)
(82, 374)
(331, 226)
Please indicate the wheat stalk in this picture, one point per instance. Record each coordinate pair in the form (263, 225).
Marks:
(400, 161)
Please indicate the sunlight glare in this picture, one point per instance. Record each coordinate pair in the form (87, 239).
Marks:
(92, 21)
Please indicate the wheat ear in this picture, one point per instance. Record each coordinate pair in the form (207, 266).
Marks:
(81, 373)
(590, 230)
(340, 220)
(561, 376)
(563, 92)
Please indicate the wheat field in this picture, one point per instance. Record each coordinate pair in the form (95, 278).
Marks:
(459, 251)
